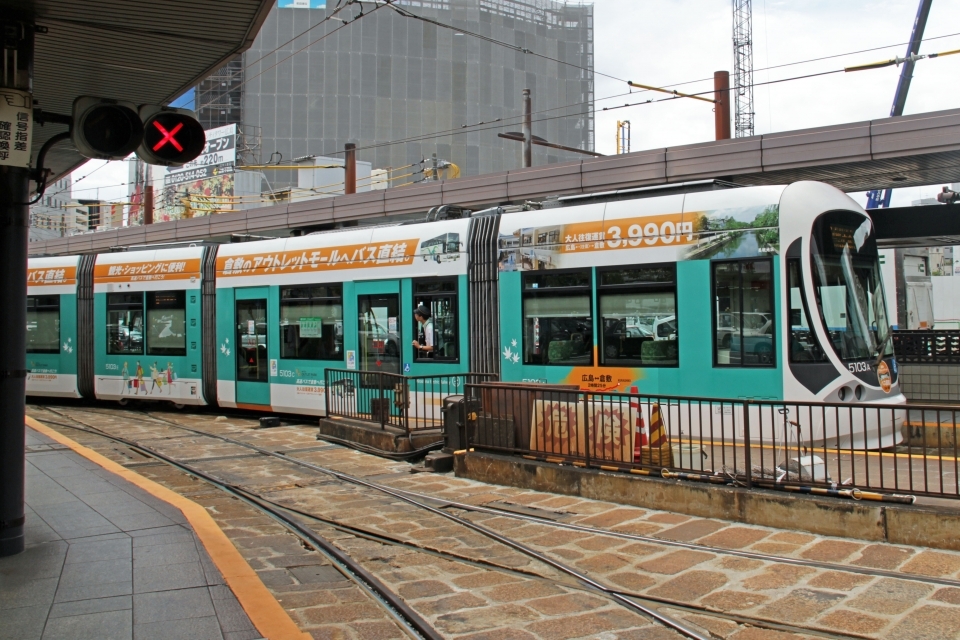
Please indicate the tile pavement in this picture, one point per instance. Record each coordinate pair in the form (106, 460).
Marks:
(105, 560)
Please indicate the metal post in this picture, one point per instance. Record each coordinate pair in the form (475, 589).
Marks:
(721, 110)
(350, 168)
(747, 457)
(436, 173)
(527, 130)
(148, 204)
(14, 223)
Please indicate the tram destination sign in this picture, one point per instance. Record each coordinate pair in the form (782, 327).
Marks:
(219, 156)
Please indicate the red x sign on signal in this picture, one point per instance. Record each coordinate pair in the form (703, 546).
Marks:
(168, 136)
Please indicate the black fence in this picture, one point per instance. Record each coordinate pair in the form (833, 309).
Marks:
(806, 447)
(927, 347)
(403, 402)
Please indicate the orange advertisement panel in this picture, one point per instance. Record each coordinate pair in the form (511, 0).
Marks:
(357, 256)
(628, 233)
(52, 276)
(178, 269)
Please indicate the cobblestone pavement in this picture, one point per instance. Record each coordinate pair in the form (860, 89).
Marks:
(471, 587)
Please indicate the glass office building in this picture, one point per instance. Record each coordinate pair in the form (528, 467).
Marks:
(402, 89)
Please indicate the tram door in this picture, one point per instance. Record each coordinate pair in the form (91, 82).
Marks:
(253, 363)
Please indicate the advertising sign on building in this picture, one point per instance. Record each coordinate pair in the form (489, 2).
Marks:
(205, 185)
(218, 157)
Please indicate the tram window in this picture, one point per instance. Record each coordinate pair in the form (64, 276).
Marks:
(743, 321)
(311, 322)
(557, 318)
(43, 324)
(804, 346)
(440, 297)
(125, 323)
(638, 309)
(167, 323)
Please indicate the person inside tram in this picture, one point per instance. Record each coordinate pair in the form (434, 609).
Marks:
(424, 344)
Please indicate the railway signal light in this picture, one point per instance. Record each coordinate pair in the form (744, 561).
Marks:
(171, 136)
(104, 128)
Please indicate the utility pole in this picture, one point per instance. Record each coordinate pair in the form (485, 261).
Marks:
(527, 130)
(721, 107)
(349, 168)
(16, 111)
(148, 204)
(743, 66)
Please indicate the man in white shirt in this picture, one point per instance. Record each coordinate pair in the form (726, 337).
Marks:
(426, 348)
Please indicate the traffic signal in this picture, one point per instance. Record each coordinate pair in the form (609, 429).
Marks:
(171, 136)
(104, 128)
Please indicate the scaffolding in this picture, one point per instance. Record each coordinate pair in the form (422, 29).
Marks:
(623, 136)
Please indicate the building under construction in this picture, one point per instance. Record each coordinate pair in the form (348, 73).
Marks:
(390, 77)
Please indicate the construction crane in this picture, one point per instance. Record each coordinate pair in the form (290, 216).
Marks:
(743, 67)
(881, 198)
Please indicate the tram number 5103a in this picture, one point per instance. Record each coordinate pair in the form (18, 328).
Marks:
(859, 367)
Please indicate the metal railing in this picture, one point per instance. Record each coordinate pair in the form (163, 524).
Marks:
(799, 446)
(927, 347)
(410, 403)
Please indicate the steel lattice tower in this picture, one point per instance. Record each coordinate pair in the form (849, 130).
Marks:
(743, 67)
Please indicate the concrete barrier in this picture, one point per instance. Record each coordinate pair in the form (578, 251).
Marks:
(388, 439)
(924, 526)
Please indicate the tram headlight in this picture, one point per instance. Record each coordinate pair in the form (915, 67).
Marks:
(842, 393)
(858, 392)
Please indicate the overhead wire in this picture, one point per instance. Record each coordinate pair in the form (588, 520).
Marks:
(502, 122)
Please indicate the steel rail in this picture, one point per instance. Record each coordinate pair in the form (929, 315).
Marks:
(752, 555)
(402, 614)
(255, 499)
(625, 601)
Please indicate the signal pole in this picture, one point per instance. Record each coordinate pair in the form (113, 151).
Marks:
(527, 130)
(16, 116)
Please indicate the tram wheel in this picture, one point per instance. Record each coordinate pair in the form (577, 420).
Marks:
(123, 402)
(178, 406)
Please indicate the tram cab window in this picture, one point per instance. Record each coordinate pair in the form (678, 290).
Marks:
(167, 323)
(311, 322)
(125, 323)
(804, 346)
(638, 311)
(743, 321)
(557, 318)
(43, 324)
(440, 297)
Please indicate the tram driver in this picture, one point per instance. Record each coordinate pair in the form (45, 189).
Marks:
(425, 342)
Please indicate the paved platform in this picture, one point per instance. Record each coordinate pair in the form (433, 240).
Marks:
(479, 590)
(105, 559)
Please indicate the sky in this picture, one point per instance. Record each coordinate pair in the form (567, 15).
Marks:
(666, 42)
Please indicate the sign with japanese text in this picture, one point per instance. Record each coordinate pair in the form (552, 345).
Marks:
(182, 269)
(16, 127)
(358, 256)
(218, 157)
(51, 276)
(627, 233)
(310, 327)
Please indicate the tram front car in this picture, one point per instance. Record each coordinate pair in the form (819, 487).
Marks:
(839, 346)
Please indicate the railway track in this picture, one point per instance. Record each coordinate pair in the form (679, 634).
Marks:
(644, 605)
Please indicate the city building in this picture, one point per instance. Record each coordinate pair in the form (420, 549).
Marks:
(390, 78)
(50, 217)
